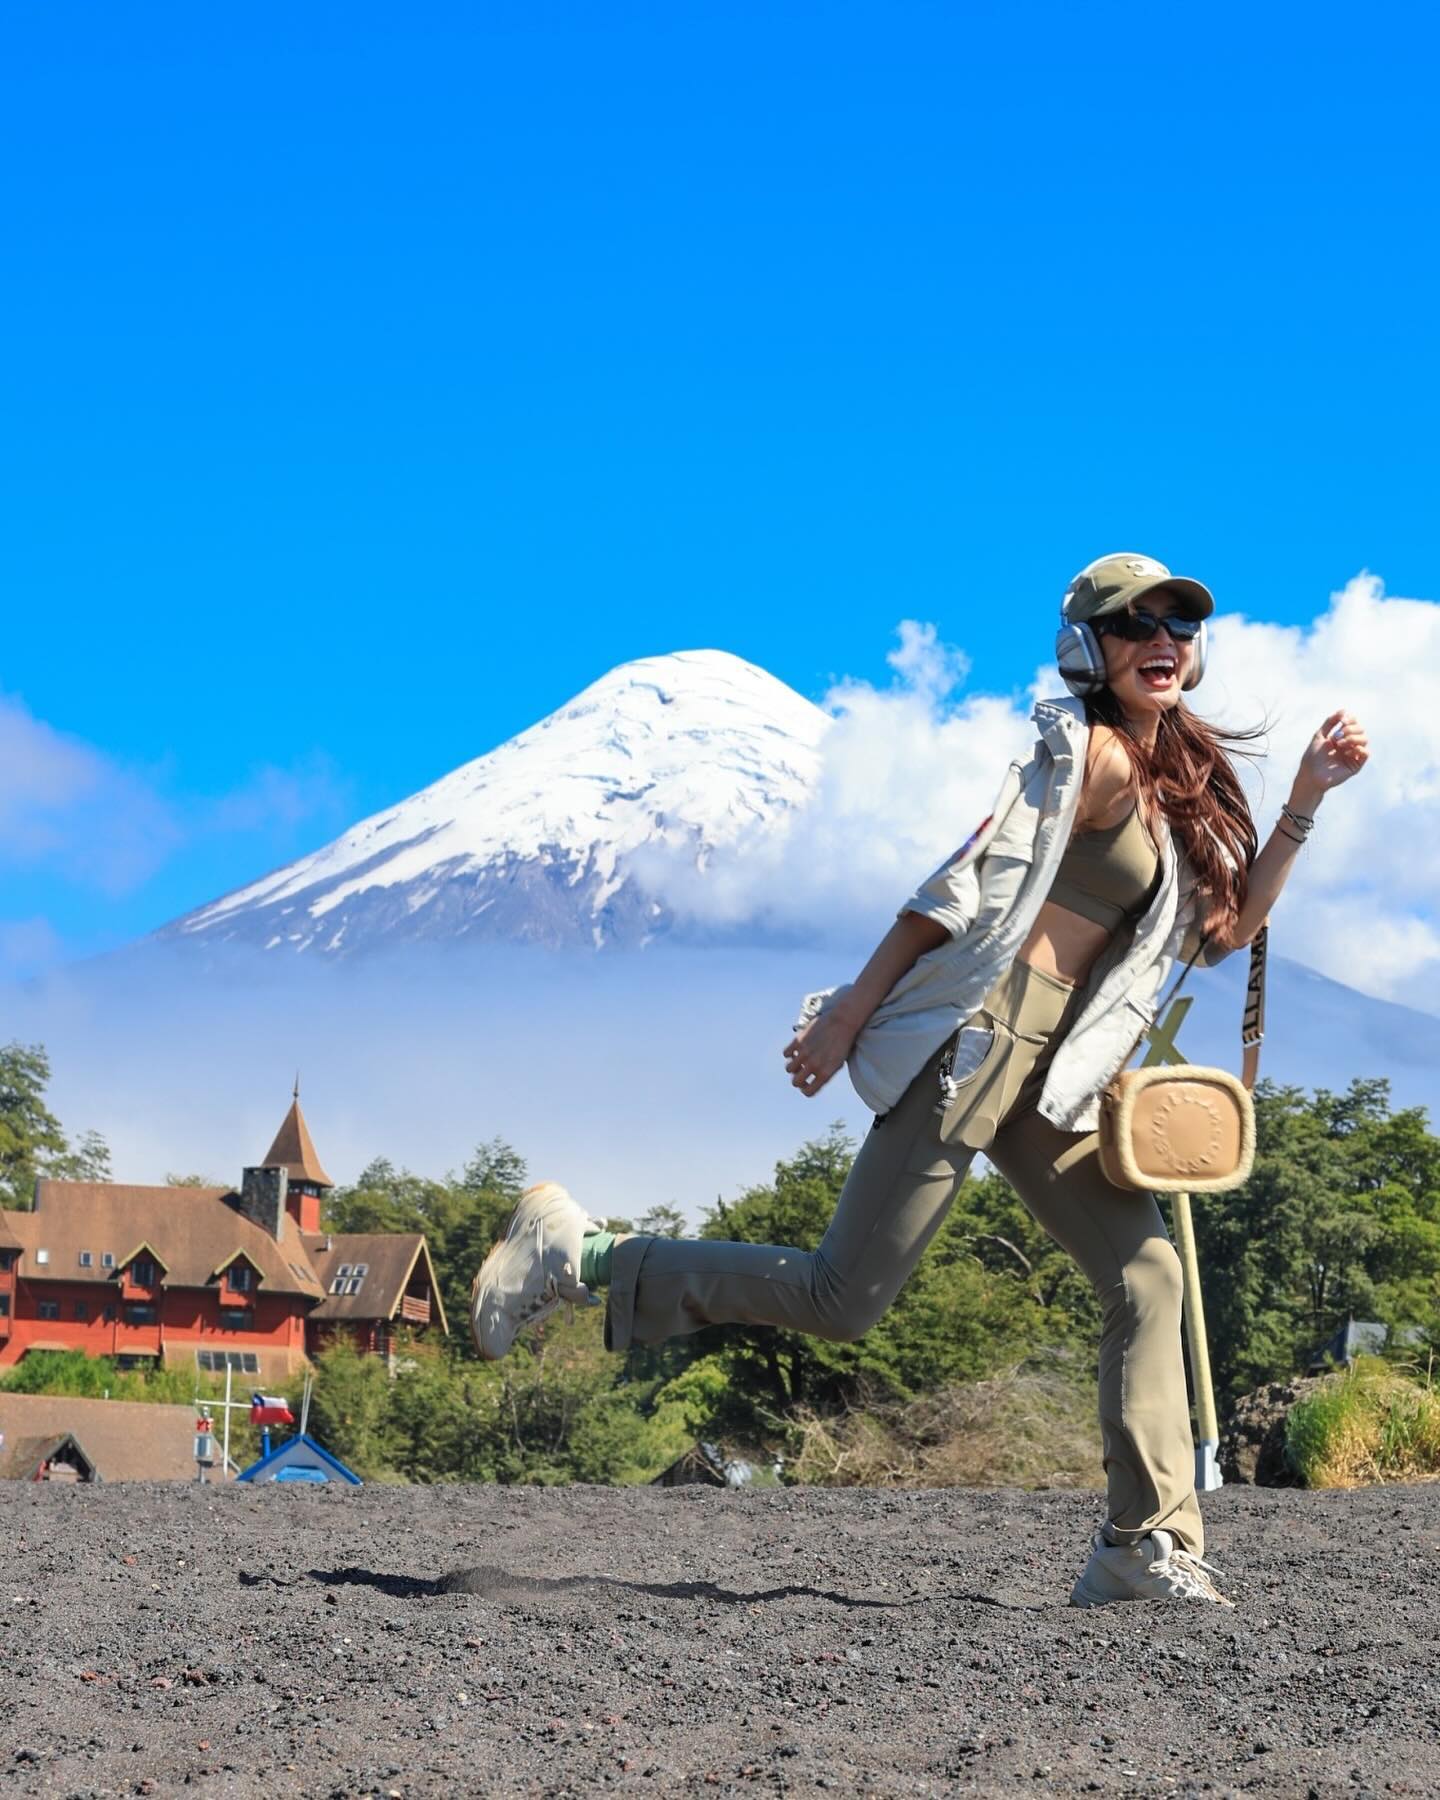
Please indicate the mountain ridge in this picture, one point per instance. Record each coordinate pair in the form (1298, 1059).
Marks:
(688, 755)
(531, 842)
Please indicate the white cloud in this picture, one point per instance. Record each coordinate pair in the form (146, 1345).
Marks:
(906, 774)
(1363, 903)
(927, 667)
(64, 804)
(281, 797)
(908, 771)
(67, 807)
(28, 947)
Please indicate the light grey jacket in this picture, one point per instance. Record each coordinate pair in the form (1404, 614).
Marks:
(987, 896)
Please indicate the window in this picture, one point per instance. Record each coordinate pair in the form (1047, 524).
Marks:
(6, 1258)
(49, 1309)
(82, 1312)
(139, 1312)
(343, 1272)
(86, 1259)
(236, 1318)
(362, 1270)
(245, 1362)
(4, 1306)
(240, 1277)
(142, 1272)
(125, 1361)
(109, 1315)
(354, 1284)
(42, 1256)
(107, 1259)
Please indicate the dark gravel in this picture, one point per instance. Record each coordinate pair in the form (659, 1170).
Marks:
(296, 1641)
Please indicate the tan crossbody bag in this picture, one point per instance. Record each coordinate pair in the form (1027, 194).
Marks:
(1177, 1128)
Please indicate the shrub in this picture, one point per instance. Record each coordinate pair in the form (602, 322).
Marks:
(1368, 1425)
(1028, 1426)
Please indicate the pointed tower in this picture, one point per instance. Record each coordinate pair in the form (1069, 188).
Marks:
(293, 1152)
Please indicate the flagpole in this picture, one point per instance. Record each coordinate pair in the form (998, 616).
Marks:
(228, 1405)
(1163, 1049)
(1207, 1470)
(225, 1458)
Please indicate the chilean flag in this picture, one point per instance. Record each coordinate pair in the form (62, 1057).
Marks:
(270, 1409)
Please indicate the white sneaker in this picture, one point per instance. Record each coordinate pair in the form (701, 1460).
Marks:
(1153, 1569)
(532, 1270)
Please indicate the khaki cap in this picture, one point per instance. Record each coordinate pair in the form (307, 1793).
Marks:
(1110, 583)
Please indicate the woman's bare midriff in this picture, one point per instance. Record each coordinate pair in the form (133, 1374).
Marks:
(1063, 944)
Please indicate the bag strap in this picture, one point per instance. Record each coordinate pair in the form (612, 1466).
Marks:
(1252, 1024)
(1252, 1031)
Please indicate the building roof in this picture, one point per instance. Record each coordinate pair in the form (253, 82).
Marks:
(389, 1258)
(124, 1440)
(22, 1460)
(196, 1232)
(299, 1458)
(294, 1152)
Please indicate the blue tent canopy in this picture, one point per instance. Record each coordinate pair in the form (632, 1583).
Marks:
(299, 1458)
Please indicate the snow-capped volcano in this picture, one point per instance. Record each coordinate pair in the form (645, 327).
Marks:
(533, 841)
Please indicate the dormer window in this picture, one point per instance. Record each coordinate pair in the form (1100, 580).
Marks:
(142, 1272)
(240, 1278)
(87, 1261)
(107, 1259)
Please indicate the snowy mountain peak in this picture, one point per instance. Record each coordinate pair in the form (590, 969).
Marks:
(533, 840)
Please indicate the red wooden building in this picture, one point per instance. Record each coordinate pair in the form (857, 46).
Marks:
(213, 1277)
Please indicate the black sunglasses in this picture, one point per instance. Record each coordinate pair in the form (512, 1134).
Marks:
(1139, 627)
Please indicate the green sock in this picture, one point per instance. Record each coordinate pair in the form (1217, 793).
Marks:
(596, 1251)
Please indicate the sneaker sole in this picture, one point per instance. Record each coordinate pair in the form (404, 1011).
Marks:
(540, 1187)
(1081, 1595)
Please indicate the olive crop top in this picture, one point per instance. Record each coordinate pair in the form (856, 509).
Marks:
(1108, 876)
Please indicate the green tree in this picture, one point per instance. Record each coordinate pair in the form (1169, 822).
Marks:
(989, 1290)
(663, 1221)
(461, 1216)
(349, 1406)
(1339, 1219)
(32, 1141)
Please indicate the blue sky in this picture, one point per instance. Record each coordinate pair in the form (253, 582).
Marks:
(377, 377)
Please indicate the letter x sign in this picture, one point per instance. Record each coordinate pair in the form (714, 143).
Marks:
(1163, 1048)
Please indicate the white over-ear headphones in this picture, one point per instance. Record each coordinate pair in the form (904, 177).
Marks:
(1077, 647)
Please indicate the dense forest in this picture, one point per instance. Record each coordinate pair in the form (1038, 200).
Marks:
(1340, 1219)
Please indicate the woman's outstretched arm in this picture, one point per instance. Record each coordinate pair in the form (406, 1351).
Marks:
(1337, 751)
(814, 1053)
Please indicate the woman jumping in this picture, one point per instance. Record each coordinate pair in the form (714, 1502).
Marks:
(1007, 994)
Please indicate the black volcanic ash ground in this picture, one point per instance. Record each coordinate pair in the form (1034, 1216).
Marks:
(400, 1641)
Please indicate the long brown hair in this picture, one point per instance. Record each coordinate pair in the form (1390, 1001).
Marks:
(1189, 778)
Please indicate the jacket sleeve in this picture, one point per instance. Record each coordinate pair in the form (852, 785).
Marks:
(951, 895)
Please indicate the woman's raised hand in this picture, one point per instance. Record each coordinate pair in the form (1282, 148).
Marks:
(1337, 751)
(816, 1051)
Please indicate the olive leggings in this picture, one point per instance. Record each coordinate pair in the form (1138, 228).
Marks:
(900, 1188)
